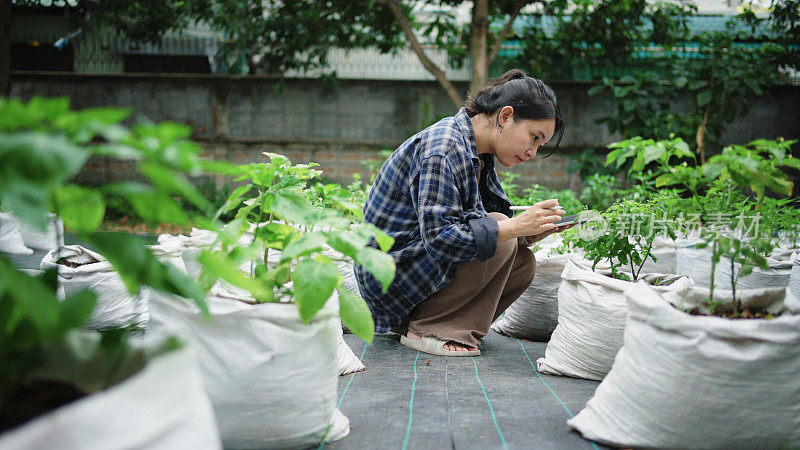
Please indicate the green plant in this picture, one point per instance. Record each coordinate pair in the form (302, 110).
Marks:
(719, 188)
(43, 145)
(510, 187)
(756, 167)
(601, 191)
(273, 205)
(628, 241)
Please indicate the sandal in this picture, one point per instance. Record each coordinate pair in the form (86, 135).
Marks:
(434, 347)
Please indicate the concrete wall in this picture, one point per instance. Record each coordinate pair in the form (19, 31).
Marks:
(237, 118)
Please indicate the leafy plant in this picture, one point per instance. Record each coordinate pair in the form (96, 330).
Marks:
(719, 188)
(757, 167)
(601, 191)
(628, 241)
(272, 204)
(43, 145)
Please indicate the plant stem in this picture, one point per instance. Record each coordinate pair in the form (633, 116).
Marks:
(713, 271)
(733, 289)
(646, 255)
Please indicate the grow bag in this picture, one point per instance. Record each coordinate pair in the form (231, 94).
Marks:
(696, 263)
(794, 280)
(169, 250)
(591, 320)
(665, 252)
(534, 315)
(689, 381)
(44, 240)
(115, 307)
(164, 406)
(271, 378)
(10, 236)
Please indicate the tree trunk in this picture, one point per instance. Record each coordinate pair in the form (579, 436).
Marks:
(5, 48)
(477, 48)
(399, 15)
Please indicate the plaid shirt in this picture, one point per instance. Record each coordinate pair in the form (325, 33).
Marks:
(427, 198)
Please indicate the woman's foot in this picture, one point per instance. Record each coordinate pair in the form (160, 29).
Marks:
(450, 345)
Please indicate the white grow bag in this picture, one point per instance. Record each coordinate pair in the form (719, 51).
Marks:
(684, 381)
(534, 315)
(794, 280)
(271, 378)
(191, 246)
(163, 407)
(10, 236)
(44, 240)
(115, 307)
(591, 321)
(696, 264)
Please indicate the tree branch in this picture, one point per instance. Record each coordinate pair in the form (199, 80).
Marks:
(518, 5)
(405, 25)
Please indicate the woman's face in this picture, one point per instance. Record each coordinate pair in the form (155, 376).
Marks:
(518, 141)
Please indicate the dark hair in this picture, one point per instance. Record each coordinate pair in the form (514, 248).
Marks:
(530, 98)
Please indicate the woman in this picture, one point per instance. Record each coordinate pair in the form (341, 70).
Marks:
(461, 261)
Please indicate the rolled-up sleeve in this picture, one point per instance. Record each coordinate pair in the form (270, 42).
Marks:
(448, 232)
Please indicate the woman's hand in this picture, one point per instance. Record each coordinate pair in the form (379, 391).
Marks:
(536, 222)
(539, 219)
(534, 239)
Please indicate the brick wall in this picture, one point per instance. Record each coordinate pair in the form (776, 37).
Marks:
(238, 118)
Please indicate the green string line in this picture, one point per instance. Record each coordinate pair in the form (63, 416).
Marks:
(322, 444)
(411, 404)
(351, 378)
(491, 410)
(547, 386)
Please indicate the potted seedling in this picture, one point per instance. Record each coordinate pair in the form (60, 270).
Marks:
(63, 386)
(591, 306)
(699, 360)
(278, 305)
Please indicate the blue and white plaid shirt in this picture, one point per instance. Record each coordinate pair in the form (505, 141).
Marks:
(426, 197)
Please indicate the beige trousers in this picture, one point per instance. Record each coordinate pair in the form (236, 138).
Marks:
(481, 290)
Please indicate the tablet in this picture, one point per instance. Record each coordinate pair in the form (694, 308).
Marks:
(570, 219)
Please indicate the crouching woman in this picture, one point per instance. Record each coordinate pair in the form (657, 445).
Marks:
(461, 258)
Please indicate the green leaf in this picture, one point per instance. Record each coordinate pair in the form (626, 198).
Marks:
(653, 152)
(594, 90)
(276, 235)
(356, 314)
(218, 265)
(150, 204)
(81, 208)
(346, 242)
(171, 182)
(385, 242)
(32, 167)
(294, 208)
(379, 264)
(668, 179)
(32, 298)
(138, 266)
(304, 245)
(76, 309)
(314, 282)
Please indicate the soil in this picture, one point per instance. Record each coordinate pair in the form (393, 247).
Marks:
(33, 399)
(65, 262)
(743, 314)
